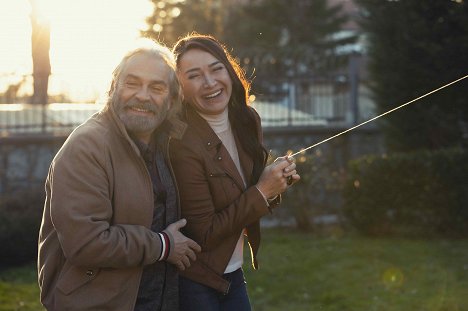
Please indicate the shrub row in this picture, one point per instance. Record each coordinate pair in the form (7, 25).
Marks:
(20, 219)
(317, 194)
(418, 194)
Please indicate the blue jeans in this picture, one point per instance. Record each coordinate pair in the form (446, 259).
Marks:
(194, 296)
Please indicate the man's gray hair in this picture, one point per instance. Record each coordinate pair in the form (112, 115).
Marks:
(157, 50)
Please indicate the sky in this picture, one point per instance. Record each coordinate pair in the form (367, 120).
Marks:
(88, 39)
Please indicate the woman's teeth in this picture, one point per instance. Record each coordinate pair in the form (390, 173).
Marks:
(213, 95)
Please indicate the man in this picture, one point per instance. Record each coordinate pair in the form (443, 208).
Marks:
(109, 238)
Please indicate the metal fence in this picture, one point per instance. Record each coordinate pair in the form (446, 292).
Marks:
(308, 101)
(19, 119)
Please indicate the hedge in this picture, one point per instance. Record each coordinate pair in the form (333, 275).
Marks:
(20, 219)
(420, 194)
(318, 193)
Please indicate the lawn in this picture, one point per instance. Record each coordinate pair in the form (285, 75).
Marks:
(19, 290)
(301, 271)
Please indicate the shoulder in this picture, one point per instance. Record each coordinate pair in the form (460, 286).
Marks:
(90, 138)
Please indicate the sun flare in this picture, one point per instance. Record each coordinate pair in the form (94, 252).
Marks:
(88, 38)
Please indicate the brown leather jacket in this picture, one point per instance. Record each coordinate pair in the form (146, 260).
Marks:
(214, 201)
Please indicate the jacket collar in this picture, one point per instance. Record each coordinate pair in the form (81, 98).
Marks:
(218, 151)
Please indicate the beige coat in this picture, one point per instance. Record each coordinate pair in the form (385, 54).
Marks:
(95, 236)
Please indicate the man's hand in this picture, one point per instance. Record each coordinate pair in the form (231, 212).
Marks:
(183, 249)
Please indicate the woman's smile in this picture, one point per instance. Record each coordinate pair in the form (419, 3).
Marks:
(205, 81)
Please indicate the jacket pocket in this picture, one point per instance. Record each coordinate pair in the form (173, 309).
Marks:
(222, 188)
(75, 277)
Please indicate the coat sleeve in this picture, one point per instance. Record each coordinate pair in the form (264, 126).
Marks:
(207, 223)
(81, 211)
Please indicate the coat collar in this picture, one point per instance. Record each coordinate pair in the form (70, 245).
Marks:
(218, 151)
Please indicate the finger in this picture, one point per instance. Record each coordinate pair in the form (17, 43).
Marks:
(294, 179)
(282, 165)
(185, 261)
(279, 159)
(287, 174)
(194, 246)
(180, 223)
(180, 266)
(290, 168)
(191, 255)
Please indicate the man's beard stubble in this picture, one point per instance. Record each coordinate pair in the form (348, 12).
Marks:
(141, 124)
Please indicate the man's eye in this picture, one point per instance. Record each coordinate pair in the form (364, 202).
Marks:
(218, 68)
(131, 84)
(157, 89)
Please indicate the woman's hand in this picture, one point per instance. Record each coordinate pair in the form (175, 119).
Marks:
(274, 178)
(290, 172)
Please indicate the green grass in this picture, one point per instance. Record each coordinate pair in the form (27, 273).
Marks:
(300, 271)
(19, 289)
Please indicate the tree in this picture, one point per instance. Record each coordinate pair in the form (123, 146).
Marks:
(289, 38)
(274, 37)
(40, 45)
(172, 19)
(414, 47)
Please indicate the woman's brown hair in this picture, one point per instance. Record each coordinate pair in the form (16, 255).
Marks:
(241, 116)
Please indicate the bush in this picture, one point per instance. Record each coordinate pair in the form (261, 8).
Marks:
(20, 219)
(317, 193)
(418, 194)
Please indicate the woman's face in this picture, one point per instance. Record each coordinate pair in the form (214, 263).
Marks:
(205, 81)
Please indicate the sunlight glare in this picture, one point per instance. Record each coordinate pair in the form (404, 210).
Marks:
(88, 39)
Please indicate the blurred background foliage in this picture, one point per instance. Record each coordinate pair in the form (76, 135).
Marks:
(416, 194)
(269, 38)
(414, 47)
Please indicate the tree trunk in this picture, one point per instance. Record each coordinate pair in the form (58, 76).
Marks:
(40, 46)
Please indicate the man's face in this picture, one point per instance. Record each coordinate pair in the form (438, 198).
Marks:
(141, 99)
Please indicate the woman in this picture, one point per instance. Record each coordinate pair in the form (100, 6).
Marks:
(219, 164)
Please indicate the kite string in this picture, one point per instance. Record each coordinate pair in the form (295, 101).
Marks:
(379, 116)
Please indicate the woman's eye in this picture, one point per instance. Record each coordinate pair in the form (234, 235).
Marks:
(193, 76)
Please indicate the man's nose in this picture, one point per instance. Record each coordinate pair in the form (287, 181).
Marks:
(143, 94)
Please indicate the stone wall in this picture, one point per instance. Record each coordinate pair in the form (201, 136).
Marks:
(25, 160)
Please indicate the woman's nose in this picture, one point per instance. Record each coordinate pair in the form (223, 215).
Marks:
(209, 81)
